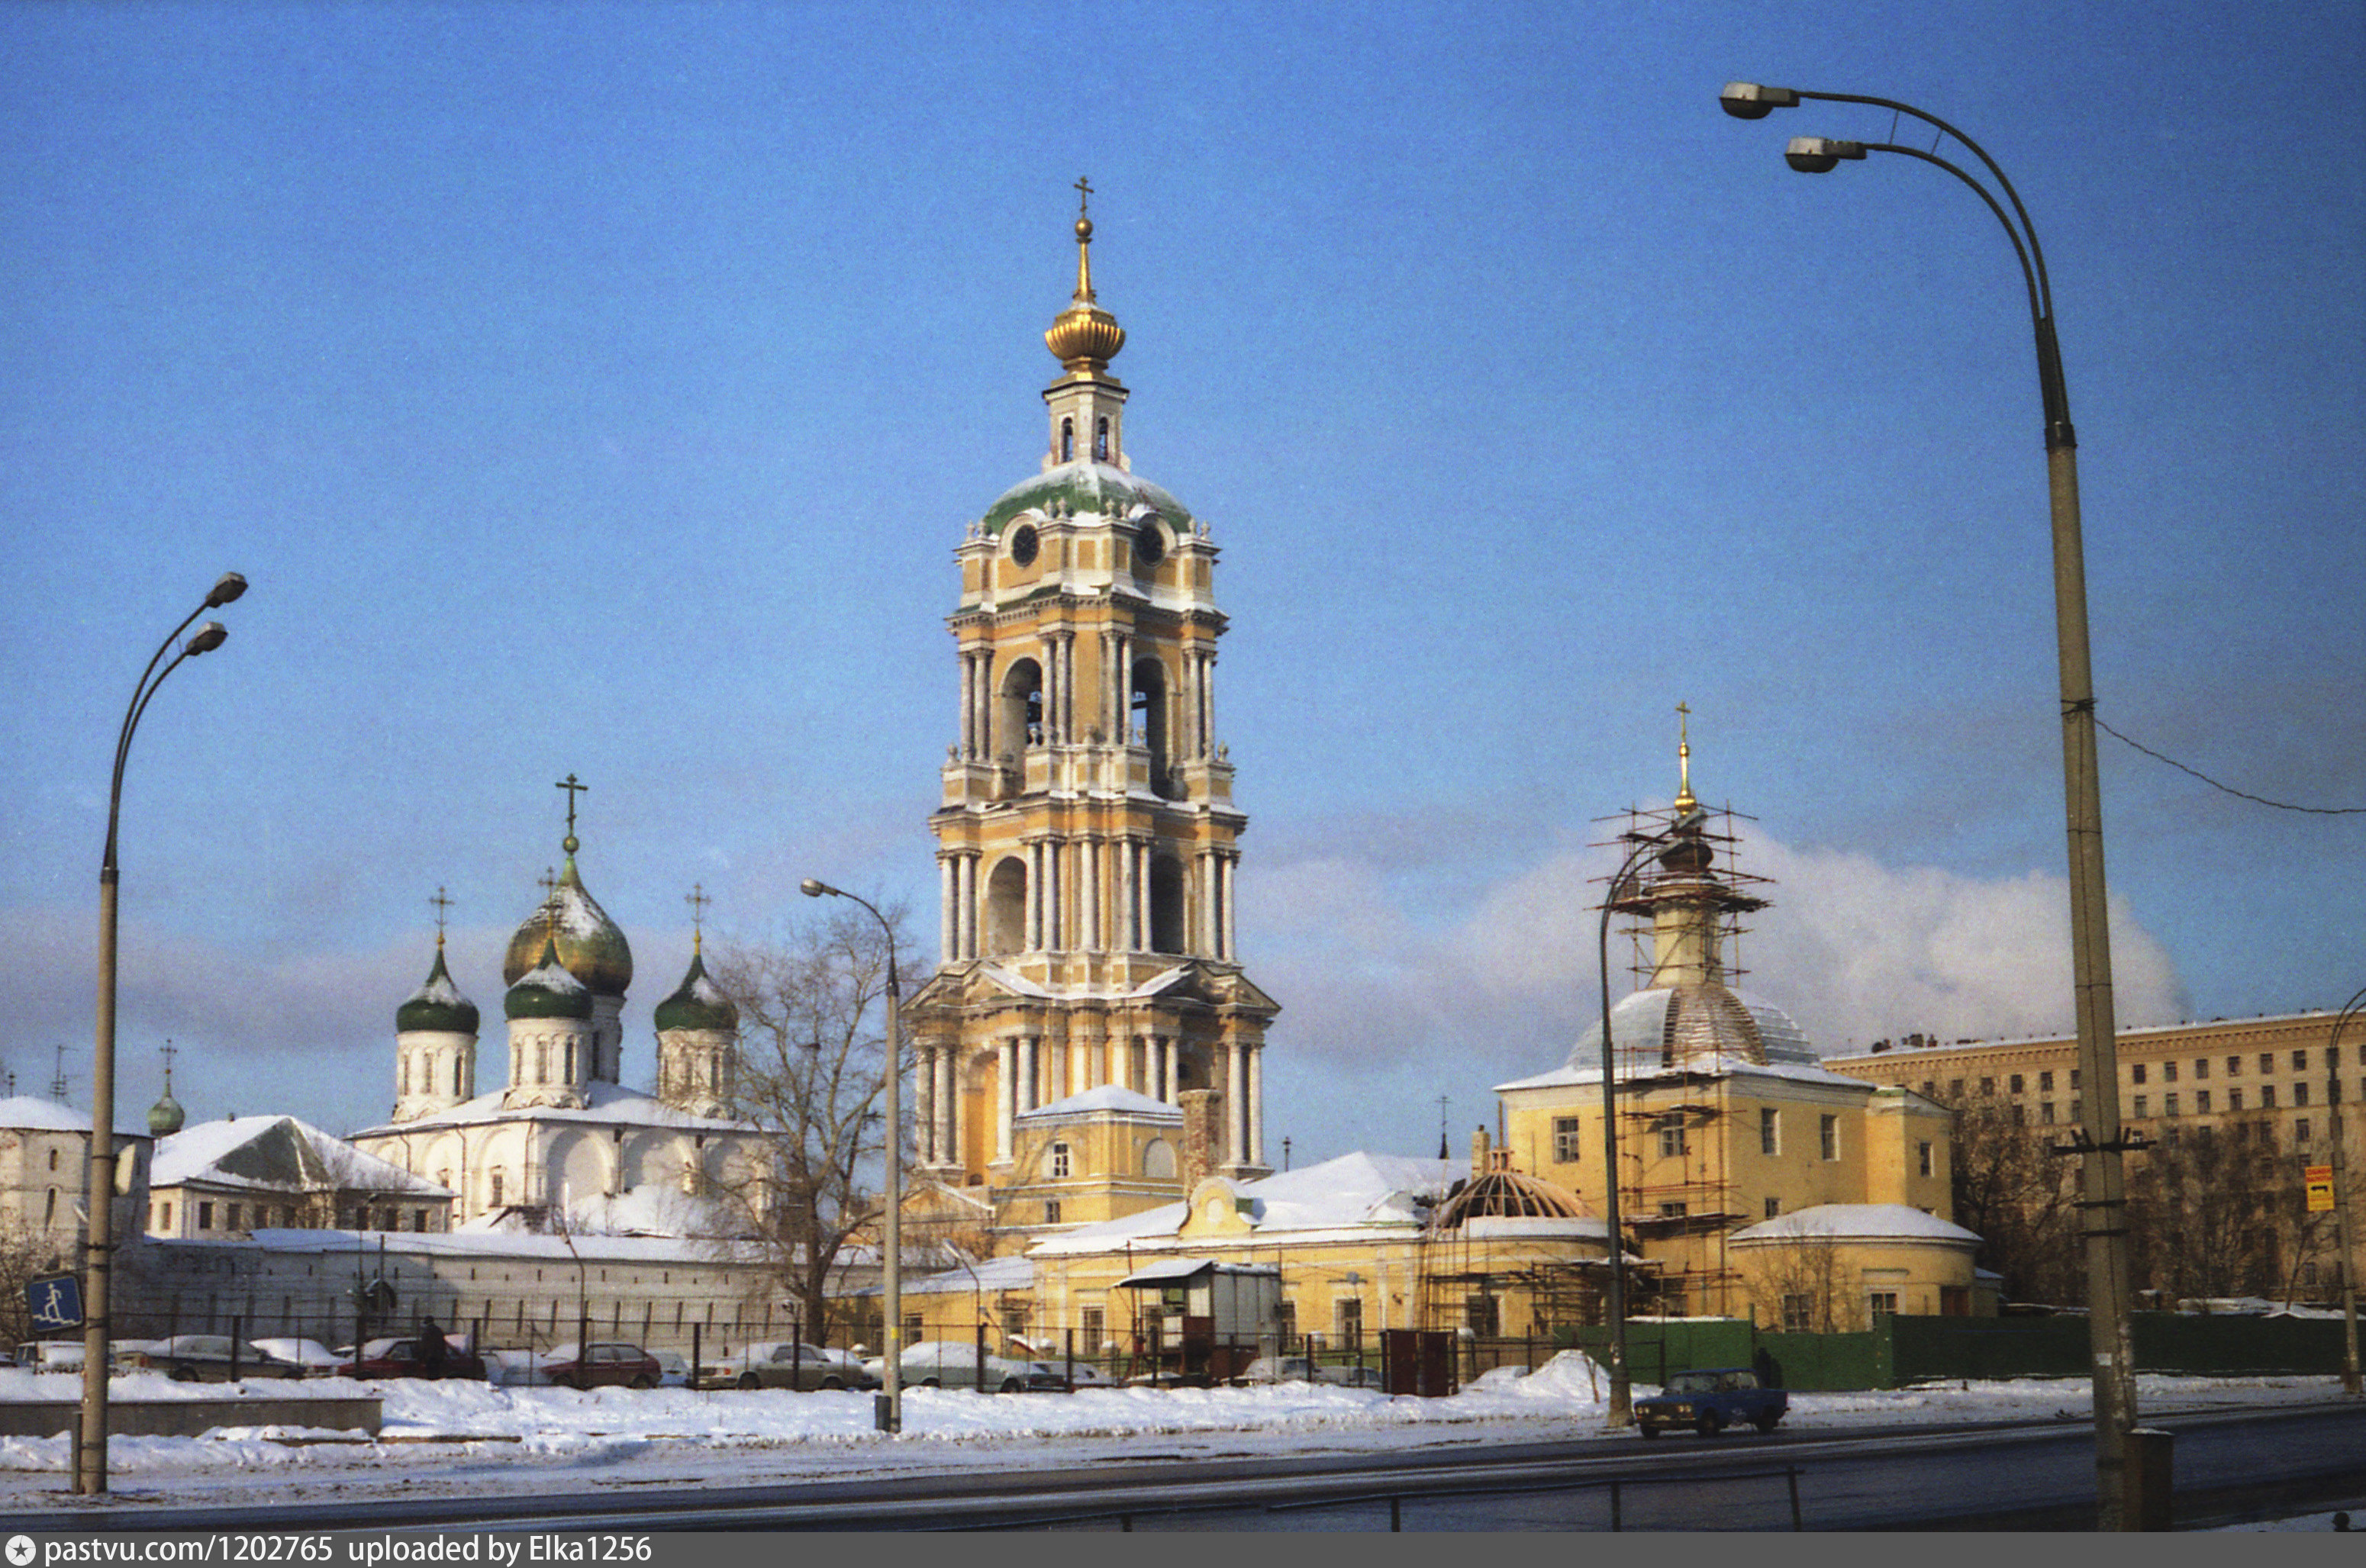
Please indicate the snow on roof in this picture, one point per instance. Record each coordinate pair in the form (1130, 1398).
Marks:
(1358, 1189)
(653, 1208)
(1158, 1273)
(278, 1154)
(1013, 1273)
(465, 1243)
(1107, 1097)
(609, 1103)
(1857, 1222)
(31, 1114)
(1730, 1066)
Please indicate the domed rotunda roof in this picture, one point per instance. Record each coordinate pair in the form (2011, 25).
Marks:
(1673, 1024)
(589, 943)
(437, 1004)
(1086, 487)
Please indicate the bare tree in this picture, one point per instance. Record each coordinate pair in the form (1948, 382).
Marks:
(2217, 1212)
(1799, 1286)
(811, 1074)
(2021, 1197)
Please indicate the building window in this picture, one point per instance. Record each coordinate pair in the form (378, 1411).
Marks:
(1673, 1209)
(2044, 1113)
(1670, 1128)
(2169, 1072)
(1924, 1159)
(1988, 1086)
(2136, 1073)
(1059, 1161)
(1955, 1088)
(166, 1222)
(2300, 1062)
(1798, 1313)
(2020, 1115)
(495, 1198)
(1068, 440)
(1478, 1314)
(231, 1216)
(2267, 1061)
(1052, 1211)
(1092, 1329)
(1828, 1135)
(2143, 1108)
(205, 1216)
(2299, 1093)
(2169, 1105)
(1100, 440)
(1569, 1138)
(1347, 1319)
(1881, 1303)
(2234, 1099)
(2201, 1101)
(2300, 1129)
(2267, 1096)
(2234, 1067)
(2045, 1083)
(1930, 1089)
(2074, 1078)
(1774, 1207)
(1769, 1130)
(2201, 1067)
(2016, 1083)
(2074, 1110)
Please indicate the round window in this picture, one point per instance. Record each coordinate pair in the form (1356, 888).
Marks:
(1149, 544)
(1022, 546)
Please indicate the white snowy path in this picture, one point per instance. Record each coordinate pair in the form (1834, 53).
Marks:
(457, 1438)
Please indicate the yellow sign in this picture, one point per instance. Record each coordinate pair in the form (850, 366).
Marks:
(2320, 1188)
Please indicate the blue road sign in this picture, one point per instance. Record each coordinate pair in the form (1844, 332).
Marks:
(55, 1300)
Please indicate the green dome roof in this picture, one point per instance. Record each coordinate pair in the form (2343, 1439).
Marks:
(165, 1117)
(1086, 487)
(437, 1004)
(697, 1004)
(547, 990)
(593, 950)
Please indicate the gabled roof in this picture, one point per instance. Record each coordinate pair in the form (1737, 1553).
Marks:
(278, 1154)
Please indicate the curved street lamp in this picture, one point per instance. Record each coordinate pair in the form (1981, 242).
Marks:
(98, 1188)
(887, 1410)
(1622, 1410)
(2098, 1140)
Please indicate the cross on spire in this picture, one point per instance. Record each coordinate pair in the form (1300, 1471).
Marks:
(697, 900)
(1084, 196)
(442, 904)
(169, 1052)
(573, 789)
(1685, 801)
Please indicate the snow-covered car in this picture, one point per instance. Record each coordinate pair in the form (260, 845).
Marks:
(202, 1358)
(673, 1369)
(1302, 1369)
(401, 1358)
(785, 1363)
(316, 1359)
(948, 1363)
(51, 1355)
(1061, 1376)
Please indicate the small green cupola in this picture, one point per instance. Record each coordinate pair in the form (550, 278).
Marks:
(698, 1002)
(547, 990)
(437, 1004)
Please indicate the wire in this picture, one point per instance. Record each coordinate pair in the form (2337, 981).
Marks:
(2240, 794)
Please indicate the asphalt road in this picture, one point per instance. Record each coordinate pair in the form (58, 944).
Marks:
(2008, 1476)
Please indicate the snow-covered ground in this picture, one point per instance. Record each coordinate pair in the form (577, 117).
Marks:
(472, 1438)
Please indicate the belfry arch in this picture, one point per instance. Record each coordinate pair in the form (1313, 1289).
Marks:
(1018, 710)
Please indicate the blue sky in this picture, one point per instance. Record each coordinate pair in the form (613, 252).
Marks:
(602, 390)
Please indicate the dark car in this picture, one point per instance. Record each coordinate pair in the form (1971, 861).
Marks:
(400, 1358)
(604, 1364)
(1711, 1400)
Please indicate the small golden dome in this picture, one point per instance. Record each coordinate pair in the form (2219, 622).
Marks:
(1085, 337)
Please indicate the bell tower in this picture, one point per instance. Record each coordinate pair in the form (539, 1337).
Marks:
(1087, 843)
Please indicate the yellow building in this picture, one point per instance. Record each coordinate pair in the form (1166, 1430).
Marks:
(1087, 843)
(1742, 1159)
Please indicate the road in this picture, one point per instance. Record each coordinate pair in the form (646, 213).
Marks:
(2007, 1475)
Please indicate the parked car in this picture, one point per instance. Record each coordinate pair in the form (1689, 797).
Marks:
(604, 1364)
(787, 1364)
(316, 1359)
(400, 1358)
(948, 1363)
(1300, 1369)
(202, 1358)
(51, 1355)
(1709, 1400)
(673, 1369)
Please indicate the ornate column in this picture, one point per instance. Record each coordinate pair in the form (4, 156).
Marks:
(1055, 924)
(1088, 894)
(1257, 1105)
(949, 908)
(1030, 937)
(1006, 1087)
(1236, 1093)
(1128, 938)
(1170, 1057)
(1230, 866)
(1027, 1069)
(965, 869)
(948, 1098)
(924, 1107)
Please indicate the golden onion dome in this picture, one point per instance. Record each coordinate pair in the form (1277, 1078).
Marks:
(1085, 337)
(588, 943)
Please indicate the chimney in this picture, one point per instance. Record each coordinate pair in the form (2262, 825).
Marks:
(1201, 1118)
(1478, 1152)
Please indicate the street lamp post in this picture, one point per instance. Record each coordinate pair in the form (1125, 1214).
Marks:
(1622, 1410)
(888, 1409)
(2098, 1141)
(98, 1182)
(2335, 1115)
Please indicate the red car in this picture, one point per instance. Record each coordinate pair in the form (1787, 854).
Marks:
(400, 1358)
(606, 1363)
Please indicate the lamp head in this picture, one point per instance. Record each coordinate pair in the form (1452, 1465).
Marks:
(1818, 154)
(230, 587)
(1751, 100)
(814, 890)
(211, 635)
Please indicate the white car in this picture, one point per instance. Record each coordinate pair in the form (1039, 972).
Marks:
(948, 1363)
(787, 1364)
(316, 1359)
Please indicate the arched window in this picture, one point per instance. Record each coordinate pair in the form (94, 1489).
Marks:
(494, 1189)
(570, 1060)
(404, 1071)
(1021, 717)
(1158, 1160)
(1068, 440)
(1006, 907)
(1167, 926)
(1149, 704)
(1100, 440)
(457, 1089)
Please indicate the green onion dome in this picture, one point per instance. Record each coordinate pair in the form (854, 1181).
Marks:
(437, 1004)
(589, 943)
(547, 990)
(165, 1117)
(697, 1004)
